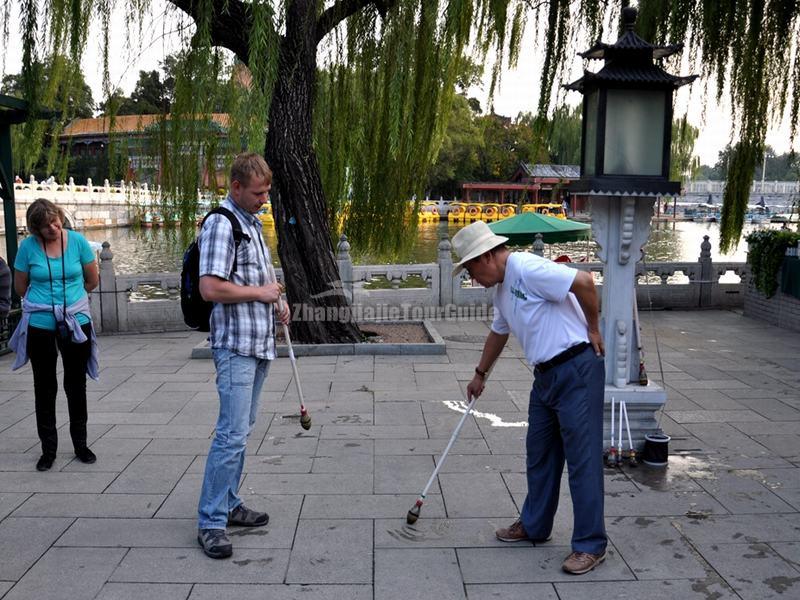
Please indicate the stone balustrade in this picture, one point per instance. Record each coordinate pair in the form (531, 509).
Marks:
(150, 301)
(91, 206)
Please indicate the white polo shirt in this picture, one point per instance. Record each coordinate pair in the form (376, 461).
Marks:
(534, 303)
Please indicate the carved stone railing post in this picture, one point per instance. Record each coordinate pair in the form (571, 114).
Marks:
(109, 314)
(345, 263)
(538, 245)
(707, 276)
(446, 280)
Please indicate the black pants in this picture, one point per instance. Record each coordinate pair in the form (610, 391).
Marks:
(42, 344)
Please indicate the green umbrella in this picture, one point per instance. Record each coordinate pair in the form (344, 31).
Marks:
(522, 229)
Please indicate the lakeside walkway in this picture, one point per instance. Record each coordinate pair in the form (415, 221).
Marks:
(723, 521)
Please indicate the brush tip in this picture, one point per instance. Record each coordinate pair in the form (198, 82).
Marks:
(413, 514)
(305, 422)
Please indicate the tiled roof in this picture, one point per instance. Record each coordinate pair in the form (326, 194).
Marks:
(552, 171)
(627, 73)
(630, 43)
(124, 124)
(627, 43)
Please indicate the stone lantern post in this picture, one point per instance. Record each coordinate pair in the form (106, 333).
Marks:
(625, 159)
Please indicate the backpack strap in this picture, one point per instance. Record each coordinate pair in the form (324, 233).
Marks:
(238, 234)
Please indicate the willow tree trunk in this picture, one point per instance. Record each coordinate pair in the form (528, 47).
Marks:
(298, 203)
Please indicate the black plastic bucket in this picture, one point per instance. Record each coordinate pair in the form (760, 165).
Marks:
(656, 449)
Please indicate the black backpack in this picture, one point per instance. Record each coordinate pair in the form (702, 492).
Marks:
(196, 310)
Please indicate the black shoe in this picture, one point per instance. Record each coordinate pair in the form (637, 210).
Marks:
(245, 517)
(85, 455)
(215, 543)
(45, 462)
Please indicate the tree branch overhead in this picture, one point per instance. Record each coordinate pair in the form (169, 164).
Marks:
(343, 9)
(230, 23)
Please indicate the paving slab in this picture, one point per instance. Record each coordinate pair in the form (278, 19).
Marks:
(51, 481)
(75, 573)
(432, 532)
(332, 551)
(481, 494)
(184, 565)
(375, 506)
(427, 574)
(432, 447)
(282, 592)
(512, 591)
(714, 529)
(753, 570)
(151, 474)
(532, 565)
(10, 501)
(403, 474)
(140, 506)
(312, 483)
(743, 494)
(654, 549)
(671, 589)
(30, 539)
(144, 591)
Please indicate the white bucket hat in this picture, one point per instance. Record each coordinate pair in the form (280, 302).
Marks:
(474, 240)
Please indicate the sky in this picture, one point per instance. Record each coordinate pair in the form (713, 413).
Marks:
(518, 91)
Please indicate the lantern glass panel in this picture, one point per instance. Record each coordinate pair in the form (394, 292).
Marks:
(590, 145)
(634, 140)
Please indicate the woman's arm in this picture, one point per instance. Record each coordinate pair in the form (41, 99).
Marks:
(21, 282)
(91, 276)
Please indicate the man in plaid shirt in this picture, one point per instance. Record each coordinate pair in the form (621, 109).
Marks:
(242, 342)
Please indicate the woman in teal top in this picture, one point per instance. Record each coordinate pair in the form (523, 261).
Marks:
(54, 270)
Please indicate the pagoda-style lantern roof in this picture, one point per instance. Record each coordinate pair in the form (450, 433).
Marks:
(627, 116)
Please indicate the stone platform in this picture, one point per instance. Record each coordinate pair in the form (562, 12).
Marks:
(721, 522)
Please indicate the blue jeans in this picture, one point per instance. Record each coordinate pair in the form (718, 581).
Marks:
(239, 381)
(565, 421)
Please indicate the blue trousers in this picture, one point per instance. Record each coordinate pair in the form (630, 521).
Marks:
(239, 381)
(565, 421)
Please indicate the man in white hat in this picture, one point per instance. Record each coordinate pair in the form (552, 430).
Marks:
(552, 309)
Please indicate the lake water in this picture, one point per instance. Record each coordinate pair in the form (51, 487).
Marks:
(153, 250)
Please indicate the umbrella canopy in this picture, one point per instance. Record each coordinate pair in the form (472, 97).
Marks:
(521, 229)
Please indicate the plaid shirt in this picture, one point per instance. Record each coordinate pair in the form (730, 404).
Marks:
(246, 328)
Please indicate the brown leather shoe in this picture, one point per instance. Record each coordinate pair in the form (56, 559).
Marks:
(515, 533)
(579, 563)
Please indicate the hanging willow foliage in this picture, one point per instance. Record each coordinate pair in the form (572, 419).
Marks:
(386, 84)
(749, 47)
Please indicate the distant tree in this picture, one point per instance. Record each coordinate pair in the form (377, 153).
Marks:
(59, 84)
(723, 161)
(705, 172)
(79, 99)
(117, 103)
(779, 167)
(685, 164)
(564, 135)
(458, 156)
(508, 142)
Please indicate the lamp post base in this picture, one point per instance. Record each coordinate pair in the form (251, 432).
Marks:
(643, 404)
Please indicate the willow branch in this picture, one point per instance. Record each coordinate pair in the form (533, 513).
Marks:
(230, 23)
(343, 9)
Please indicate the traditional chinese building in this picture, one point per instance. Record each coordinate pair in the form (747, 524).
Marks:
(138, 139)
(535, 184)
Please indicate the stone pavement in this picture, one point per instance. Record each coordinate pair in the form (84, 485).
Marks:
(721, 522)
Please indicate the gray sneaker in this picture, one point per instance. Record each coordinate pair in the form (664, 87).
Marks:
(246, 517)
(214, 543)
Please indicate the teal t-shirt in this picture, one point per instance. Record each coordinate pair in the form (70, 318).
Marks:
(32, 260)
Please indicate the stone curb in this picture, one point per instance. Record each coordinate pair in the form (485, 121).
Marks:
(434, 347)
